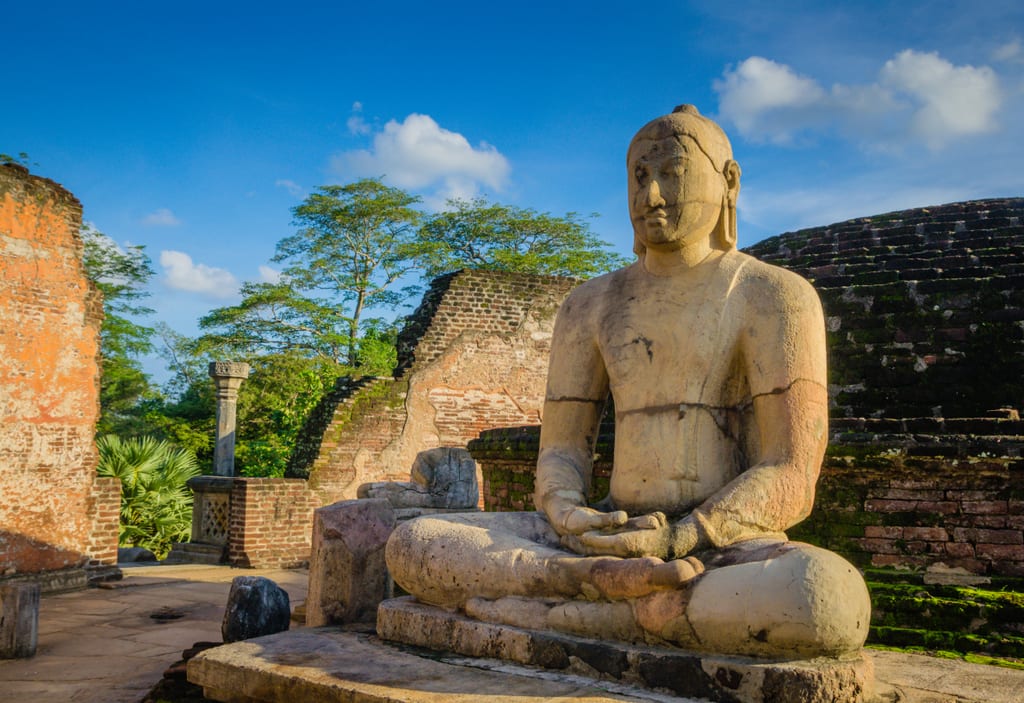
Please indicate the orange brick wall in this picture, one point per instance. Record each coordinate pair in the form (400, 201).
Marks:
(54, 513)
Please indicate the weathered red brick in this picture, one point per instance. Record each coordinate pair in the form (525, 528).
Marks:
(985, 507)
(930, 534)
(1003, 552)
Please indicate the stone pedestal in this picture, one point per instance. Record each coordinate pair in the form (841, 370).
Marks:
(712, 677)
(228, 375)
(211, 522)
(19, 620)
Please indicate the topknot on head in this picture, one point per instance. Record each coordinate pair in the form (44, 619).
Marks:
(687, 108)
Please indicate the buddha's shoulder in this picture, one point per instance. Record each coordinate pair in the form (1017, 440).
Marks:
(759, 282)
(598, 291)
(756, 277)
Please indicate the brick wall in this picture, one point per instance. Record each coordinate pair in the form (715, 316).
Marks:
(473, 356)
(54, 512)
(892, 502)
(271, 522)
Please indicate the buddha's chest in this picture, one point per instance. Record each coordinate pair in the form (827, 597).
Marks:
(666, 347)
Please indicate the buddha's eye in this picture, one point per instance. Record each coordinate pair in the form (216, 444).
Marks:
(641, 174)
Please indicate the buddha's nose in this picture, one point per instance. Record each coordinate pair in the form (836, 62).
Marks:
(654, 198)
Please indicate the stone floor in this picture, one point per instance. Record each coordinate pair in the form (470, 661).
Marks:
(100, 645)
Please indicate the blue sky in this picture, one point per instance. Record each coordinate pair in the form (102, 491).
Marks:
(193, 128)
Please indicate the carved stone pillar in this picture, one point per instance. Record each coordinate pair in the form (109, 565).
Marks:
(228, 375)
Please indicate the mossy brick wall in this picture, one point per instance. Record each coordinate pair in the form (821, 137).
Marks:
(271, 522)
(924, 308)
(55, 513)
(473, 356)
(895, 501)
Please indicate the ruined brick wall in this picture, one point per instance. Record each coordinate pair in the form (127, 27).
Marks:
(472, 357)
(271, 522)
(924, 308)
(894, 501)
(54, 511)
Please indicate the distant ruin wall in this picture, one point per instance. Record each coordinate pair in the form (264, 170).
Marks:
(55, 513)
(924, 308)
(473, 356)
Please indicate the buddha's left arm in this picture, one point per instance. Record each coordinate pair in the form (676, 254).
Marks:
(783, 350)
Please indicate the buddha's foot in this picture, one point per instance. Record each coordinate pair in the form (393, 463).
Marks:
(619, 579)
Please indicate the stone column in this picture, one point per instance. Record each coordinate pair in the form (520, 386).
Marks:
(228, 375)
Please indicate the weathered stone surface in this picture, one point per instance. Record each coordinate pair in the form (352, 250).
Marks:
(444, 477)
(228, 377)
(19, 620)
(347, 574)
(716, 678)
(256, 606)
(329, 666)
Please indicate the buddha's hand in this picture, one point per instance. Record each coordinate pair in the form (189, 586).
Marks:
(578, 520)
(649, 535)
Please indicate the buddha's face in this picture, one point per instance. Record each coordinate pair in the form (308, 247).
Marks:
(675, 192)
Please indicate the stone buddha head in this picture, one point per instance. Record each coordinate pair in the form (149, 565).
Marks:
(683, 183)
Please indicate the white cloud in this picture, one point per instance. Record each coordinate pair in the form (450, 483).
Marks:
(292, 187)
(356, 124)
(917, 96)
(269, 275)
(181, 273)
(1010, 52)
(765, 99)
(161, 217)
(417, 153)
(951, 100)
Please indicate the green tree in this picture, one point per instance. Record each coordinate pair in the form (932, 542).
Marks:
(483, 235)
(354, 245)
(275, 318)
(121, 275)
(156, 505)
(273, 404)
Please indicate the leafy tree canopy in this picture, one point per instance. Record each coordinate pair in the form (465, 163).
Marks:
(354, 245)
(479, 234)
(120, 274)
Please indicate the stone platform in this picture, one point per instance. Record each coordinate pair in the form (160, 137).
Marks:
(682, 673)
(329, 665)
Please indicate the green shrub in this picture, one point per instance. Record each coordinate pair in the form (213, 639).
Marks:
(156, 505)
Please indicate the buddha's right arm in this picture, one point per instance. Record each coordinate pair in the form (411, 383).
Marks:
(565, 461)
(576, 392)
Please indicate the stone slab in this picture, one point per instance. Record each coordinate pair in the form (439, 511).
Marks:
(329, 665)
(52, 582)
(675, 671)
